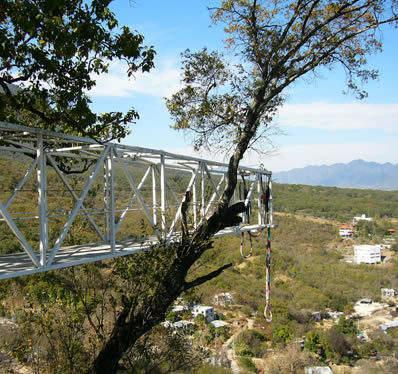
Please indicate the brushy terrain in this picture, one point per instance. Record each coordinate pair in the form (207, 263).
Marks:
(309, 274)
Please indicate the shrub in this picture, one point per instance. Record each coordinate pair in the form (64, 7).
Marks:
(251, 343)
(247, 364)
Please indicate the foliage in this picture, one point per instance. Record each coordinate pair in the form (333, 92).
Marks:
(290, 359)
(224, 107)
(231, 106)
(335, 203)
(247, 364)
(250, 343)
(164, 351)
(53, 51)
(346, 326)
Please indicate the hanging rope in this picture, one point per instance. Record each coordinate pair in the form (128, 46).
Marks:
(267, 309)
(242, 239)
(265, 206)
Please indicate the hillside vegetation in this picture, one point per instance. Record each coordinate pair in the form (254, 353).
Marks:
(337, 203)
(309, 275)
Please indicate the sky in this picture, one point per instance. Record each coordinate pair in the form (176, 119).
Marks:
(319, 123)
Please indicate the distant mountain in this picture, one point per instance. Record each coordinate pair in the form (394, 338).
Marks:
(356, 174)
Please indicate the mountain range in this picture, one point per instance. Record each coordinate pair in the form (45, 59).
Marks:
(355, 174)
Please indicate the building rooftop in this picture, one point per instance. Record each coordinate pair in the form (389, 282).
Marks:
(219, 323)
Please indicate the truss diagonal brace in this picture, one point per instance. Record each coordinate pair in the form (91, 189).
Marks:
(140, 199)
(123, 215)
(78, 205)
(21, 183)
(70, 189)
(21, 238)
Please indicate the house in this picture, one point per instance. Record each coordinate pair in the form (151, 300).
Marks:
(367, 254)
(362, 217)
(223, 299)
(205, 311)
(388, 294)
(179, 308)
(179, 325)
(391, 232)
(346, 231)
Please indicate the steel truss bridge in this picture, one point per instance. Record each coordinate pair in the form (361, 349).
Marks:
(67, 200)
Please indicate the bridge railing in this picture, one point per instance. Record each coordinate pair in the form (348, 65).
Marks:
(67, 200)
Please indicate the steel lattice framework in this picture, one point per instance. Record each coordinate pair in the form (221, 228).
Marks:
(157, 184)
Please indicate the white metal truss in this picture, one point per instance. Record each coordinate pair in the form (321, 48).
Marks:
(159, 192)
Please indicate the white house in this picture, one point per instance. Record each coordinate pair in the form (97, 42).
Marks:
(362, 217)
(205, 311)
(388, 293)
(223, 299)
(346, 231)
(179, 325)
(367, 254)
(179, 308)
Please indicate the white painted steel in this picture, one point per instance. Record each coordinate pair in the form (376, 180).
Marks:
(161, 205)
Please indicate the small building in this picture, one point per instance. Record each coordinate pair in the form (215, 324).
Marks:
(318, 370)
(346, 231)
(179, 308)
(360, 218)
(223, 299)
(205, 311)
(388, 325)
(388, 294)
(391, 232)
(367, 254)
(179, 325)
(334, 314)
(316, 316)
(219, 323)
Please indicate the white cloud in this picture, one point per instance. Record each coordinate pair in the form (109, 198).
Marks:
(162, 81)
(340, 116)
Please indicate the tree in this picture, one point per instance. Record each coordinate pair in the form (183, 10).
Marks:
(50, 55)
(232, 107)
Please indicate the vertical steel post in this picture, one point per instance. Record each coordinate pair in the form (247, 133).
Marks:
(271, 218)
(42, 200)
(110, 198)
(259, 191)
(106, 200)
(163, 193)
(194, 205)
(154, 197)
(203, 190)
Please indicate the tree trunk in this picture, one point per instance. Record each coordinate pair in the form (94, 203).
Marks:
(132, 324)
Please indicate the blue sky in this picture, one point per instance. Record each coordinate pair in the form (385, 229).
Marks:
(320, 124)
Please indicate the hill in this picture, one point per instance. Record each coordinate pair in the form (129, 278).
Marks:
(333, 202)
(356, 174)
